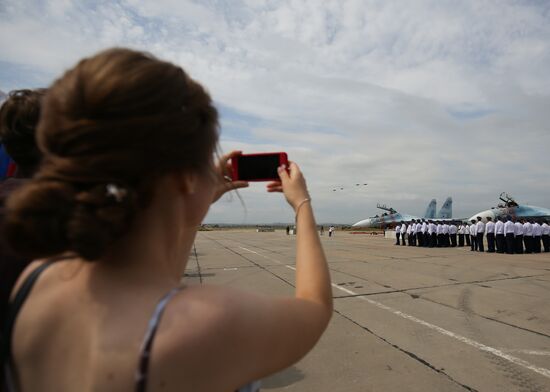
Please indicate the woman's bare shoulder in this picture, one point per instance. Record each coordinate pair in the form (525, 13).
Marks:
(25, 274)
(210, 304)
(64, 266)
(215, 314)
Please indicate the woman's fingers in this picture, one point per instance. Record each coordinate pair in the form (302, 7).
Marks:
(228, 156)
(283, 173)
(274, 186)
(224, 164)
(236, 185)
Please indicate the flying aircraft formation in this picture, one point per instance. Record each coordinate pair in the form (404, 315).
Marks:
(339, 188)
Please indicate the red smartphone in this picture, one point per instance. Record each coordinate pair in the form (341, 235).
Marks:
(258, 167)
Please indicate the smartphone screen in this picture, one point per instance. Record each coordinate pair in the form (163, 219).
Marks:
(260, 167)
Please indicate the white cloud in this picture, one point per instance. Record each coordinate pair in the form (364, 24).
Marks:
(420, 101)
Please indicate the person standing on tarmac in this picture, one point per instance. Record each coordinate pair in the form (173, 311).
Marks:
(424, 230)
(490, 229)
(404, 230)
(546, 236)
(412, 242)
(480, 232)
(429, 234)
(409, 233)
(397, 233)
(537, 235)
(509, 234)
(473, 235)
(446, 239)
(452, 232)
(499, 235)
(527, 236)
(518, 231)
(461, 235)
(439, 231)
(419, 234)
(467, 234)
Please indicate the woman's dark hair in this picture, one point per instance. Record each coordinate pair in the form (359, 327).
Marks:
(19, 116)
(110, 127)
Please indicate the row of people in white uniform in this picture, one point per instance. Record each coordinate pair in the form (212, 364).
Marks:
(427, 233)
(507, 235)
(511, 235)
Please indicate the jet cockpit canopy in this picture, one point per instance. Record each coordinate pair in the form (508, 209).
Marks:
(508, 201)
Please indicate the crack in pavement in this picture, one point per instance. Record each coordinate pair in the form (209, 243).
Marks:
(488, 318)
(408, 353)
(426, 287)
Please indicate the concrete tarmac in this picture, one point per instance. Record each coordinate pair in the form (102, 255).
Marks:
(405, 318)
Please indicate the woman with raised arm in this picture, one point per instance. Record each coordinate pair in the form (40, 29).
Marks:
(111, 216)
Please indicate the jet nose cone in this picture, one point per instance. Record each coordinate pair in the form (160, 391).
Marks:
(483, 215)
(363, 223)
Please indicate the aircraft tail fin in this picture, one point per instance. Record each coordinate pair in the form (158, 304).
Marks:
(430, 210)
(446, 211)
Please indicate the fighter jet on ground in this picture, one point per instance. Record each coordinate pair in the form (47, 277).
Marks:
(510, 207)
(391, 216)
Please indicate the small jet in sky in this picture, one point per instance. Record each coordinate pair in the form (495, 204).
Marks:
(391, 216)
(509, 207)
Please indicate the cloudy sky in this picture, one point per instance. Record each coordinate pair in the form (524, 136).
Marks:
(419, 99)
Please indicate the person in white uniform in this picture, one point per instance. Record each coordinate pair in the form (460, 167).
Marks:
(452, 233)
(404, 230)
(439, 231)
(424, 230)
(473, 236)
(537, 235)
(445, 231)
(419, 237)
(546, 236)
(519, 236)
(490, 230)
(460, 233)
(527, 236)
(510, 234)
(397, 234)
(432, 236)
(480, 232)
(499, 235)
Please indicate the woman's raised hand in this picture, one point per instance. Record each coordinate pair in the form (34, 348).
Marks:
(223, 170)
(292, 184)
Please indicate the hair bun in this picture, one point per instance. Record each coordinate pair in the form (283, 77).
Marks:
(101, 216)
(46, 218)
(36, 222)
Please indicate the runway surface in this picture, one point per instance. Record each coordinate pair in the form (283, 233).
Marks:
(405, 319)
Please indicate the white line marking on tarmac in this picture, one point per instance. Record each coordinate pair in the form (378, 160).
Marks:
(259, 254)
(480, 346)
(522, 351)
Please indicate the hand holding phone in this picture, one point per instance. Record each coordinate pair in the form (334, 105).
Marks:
(292, 183)
(223, 169)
